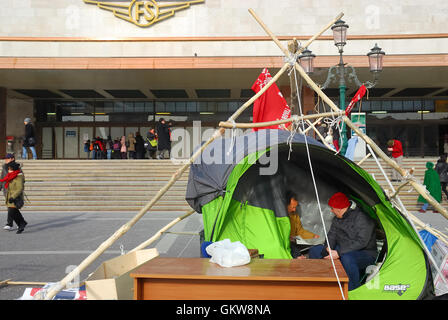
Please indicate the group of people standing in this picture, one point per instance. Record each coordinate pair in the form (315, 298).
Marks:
(157, 143)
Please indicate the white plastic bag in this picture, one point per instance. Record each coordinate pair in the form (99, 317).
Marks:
(228, 254)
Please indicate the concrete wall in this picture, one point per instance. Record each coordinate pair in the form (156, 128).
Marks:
(218, 18)
(66, 18)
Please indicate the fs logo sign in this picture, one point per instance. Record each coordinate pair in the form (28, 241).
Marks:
(143, 13)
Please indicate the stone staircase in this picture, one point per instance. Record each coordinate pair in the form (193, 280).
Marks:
(409, 198)
(101, 185)
(127, 185)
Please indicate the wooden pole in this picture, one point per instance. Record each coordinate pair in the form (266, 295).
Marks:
(21, 283)
(320, 136)
(229, 125)
(417, 186)
(364, 159)
(431, 230)
(279, 44)
(293, 47)
(161, 231)
(126, 227)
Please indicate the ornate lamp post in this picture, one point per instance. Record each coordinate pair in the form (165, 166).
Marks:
(341, 70)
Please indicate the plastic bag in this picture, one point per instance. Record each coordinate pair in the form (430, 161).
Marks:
(228, 254)
(428, 238)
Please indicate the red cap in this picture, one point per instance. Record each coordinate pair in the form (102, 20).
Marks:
(339, 201)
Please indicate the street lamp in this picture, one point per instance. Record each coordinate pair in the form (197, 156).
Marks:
(340, 34)
(341, 70)
(306, 60)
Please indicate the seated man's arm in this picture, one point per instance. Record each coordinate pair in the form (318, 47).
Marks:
(301, 231)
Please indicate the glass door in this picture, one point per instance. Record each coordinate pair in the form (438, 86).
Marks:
(85, 133)
(71, 143)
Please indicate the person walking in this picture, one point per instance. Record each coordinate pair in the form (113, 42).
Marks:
(139, 146)
(29, 140)
(14, 183)
(396, 150)
(130, 143)
(432, 184)
(163, 143)
(442, 170)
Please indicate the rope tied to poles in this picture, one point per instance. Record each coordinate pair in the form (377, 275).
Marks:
(233, 136)
(315, 187)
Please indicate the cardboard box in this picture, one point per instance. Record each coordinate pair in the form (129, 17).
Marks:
(111, 280)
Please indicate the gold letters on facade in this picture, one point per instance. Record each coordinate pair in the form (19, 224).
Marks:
(143, 13)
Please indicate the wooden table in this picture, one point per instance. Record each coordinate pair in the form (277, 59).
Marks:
(261, 279)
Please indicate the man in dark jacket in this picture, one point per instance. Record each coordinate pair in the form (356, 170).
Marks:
(351, 237)
(139, 146)
(164, 139)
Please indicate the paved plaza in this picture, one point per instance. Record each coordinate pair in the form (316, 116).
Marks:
(55, 242)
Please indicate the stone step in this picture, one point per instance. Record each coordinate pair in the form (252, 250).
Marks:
(102, 208)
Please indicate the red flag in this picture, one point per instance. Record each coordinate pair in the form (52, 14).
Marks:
(271, 105)
(358, 96)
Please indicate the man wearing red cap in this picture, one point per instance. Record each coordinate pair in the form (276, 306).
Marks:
(351, 239)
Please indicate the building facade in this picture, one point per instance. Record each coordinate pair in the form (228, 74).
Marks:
(82, 69)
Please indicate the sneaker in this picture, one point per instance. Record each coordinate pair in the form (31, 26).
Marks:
(435, 211)
(8, 228)
(422, 211)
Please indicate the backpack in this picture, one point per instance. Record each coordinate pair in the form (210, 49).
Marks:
(116, 146)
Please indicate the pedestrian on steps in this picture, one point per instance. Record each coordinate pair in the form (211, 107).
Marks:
(29, 140)
(442, 170)
(396, 150)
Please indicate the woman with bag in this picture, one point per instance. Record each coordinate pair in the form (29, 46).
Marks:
(442, 170)
(14, 184)
(29, 140)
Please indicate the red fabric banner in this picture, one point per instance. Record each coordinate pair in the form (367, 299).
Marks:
(358, 96)
(271, 105)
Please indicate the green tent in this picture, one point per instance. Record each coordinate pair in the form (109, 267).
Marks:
(239, 185)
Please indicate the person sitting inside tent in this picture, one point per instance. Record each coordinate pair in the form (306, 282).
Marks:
(351, 238)
(296, 226)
